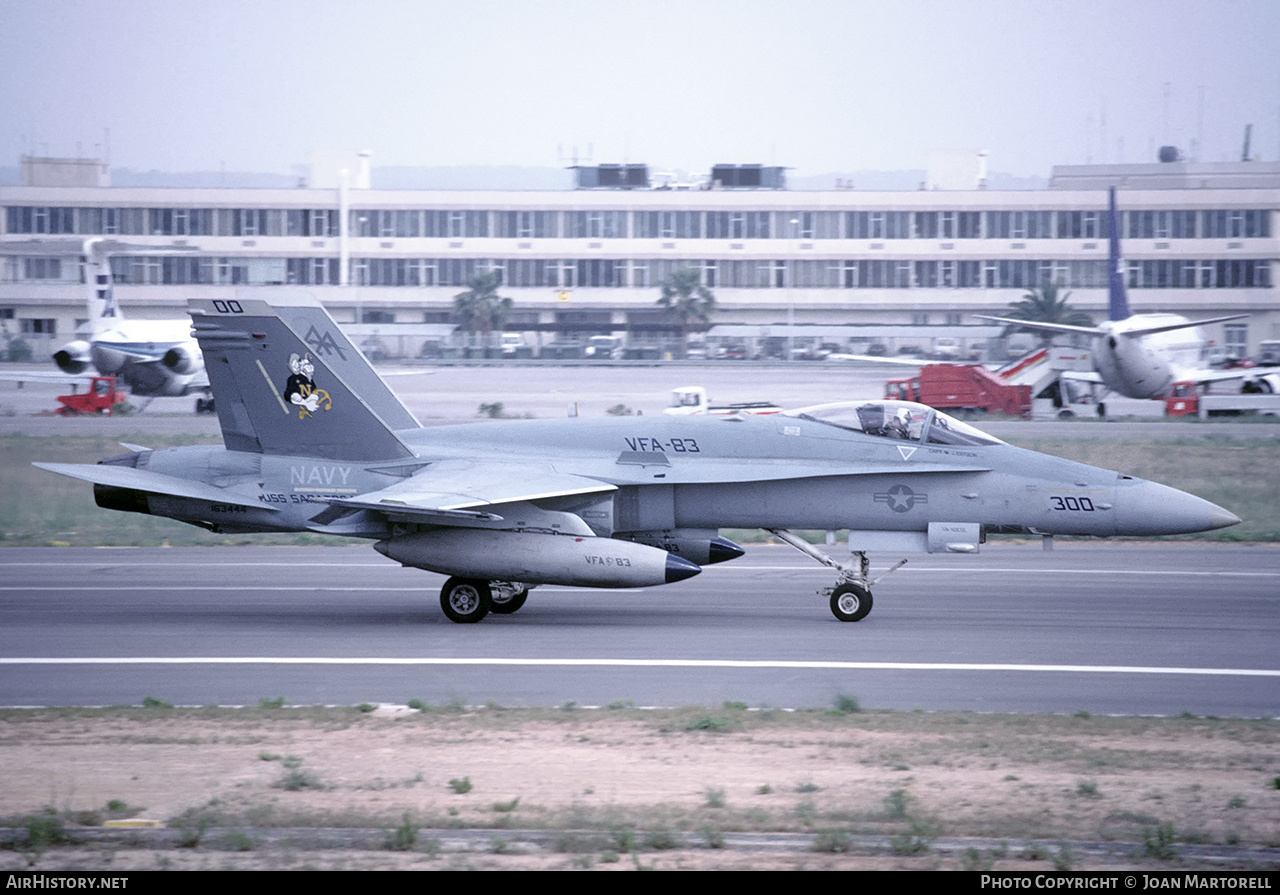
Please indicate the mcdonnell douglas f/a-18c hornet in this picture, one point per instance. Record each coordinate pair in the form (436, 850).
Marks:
(315, 441)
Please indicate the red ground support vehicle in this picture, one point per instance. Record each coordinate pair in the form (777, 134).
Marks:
(1183, 399)
(962, 387)
(102, 397)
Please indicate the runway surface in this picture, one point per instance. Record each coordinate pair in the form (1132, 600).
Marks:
(1098, 627)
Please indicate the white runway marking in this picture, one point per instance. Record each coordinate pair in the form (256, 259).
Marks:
(634, 663)
(748, 568)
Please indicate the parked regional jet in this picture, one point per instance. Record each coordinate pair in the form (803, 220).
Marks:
(154, 358)
(315, 441)
(1142, 355)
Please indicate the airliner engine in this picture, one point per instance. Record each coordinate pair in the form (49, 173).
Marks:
(73, 357)
(181, 361)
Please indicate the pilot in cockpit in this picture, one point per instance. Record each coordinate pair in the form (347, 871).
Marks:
(898, 425)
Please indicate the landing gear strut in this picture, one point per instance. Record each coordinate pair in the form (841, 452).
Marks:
(508, 596)
(851, 594)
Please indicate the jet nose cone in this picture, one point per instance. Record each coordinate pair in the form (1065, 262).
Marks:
(1147, 508)
(679, 568)
(723, 550)
(1220, 518)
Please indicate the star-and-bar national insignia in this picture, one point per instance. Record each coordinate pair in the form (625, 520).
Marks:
(901, 498)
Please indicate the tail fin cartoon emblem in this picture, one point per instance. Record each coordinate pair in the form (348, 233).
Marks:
(301, 389)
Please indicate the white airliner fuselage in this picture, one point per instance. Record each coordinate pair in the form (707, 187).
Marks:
(1146, 366)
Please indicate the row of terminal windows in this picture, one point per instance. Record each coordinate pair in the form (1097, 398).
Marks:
(648, 274)
(418, 223)
(317, 222)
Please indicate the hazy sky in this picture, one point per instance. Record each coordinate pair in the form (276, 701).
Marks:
(817, 85)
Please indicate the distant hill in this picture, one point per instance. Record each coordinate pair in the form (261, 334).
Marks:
(503, 178)
(890, 181)
(472, 177)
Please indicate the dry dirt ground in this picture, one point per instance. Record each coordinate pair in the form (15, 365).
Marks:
(621, 788)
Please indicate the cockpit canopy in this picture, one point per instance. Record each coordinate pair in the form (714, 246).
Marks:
(900, 420)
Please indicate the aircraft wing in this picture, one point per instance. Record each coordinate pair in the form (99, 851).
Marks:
(469, 489)
(45, 376)
(1190, 323)
(1046, 327)
(879, 359)
(1095, 331)
(153, 482)
(450, 491)
(1205, 376)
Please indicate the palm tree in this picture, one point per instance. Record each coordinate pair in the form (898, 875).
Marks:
(1044, 305)
(480, 309)
(691, 303)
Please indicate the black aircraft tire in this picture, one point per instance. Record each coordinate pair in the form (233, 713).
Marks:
(465, 600)
(506, 607)
(850, 603)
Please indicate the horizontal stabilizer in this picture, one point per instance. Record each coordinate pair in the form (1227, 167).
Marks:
(153, 483)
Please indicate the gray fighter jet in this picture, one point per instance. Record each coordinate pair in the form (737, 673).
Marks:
(316, 442)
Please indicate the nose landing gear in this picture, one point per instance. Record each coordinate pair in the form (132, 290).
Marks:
(851, 594)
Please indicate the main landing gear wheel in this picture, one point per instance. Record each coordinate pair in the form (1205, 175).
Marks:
(465, 600)
(505, 602)
(850, 603)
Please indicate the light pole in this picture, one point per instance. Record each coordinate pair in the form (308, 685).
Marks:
(791, 304)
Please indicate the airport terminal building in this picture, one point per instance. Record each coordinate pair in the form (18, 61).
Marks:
(846, 267)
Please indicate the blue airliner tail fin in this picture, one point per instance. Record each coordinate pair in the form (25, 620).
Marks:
(1118, 304)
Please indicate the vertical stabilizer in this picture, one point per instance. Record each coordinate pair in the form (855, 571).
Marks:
(288, 381)
(104, 310)
(1118, 304)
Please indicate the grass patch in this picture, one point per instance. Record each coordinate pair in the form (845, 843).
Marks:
(1087, 788)
(1239, 474)
(1158, 843)
(1043, 759)
(295, 777)
(712, 723)
(846, 704)
(404, 836)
